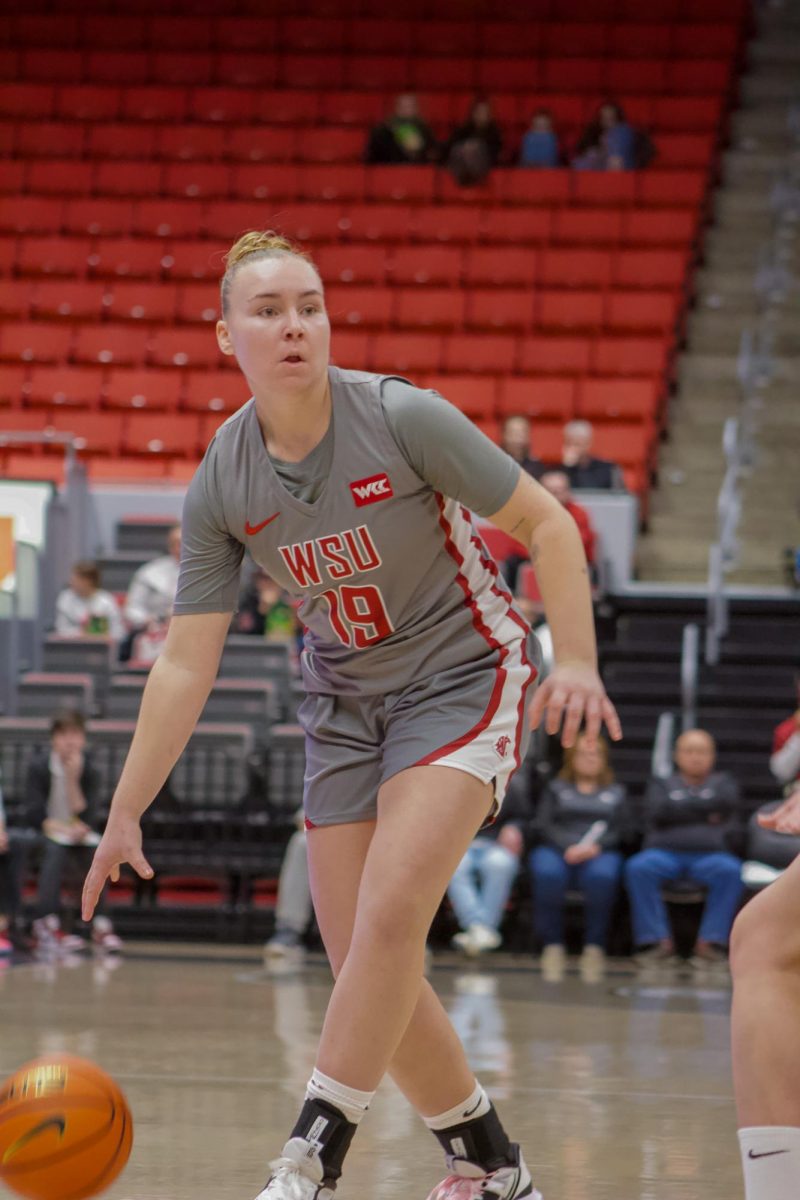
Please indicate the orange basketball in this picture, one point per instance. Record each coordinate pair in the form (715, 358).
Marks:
(65, 1129)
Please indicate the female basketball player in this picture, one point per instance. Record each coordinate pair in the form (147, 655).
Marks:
(352, 491)
(765, 964)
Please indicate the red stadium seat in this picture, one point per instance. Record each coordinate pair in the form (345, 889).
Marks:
(35, 466)
(665, 227)
(573, 74)
(186, 347)
(500, 266)
(615, 399)
(13, 380)
(565, 311)
(630, 356)
(286, 107)
(31, 101)
(263, 144)
(403, 184)
(500, 38)
(133, 258)
(642, 312)
(375, 73)
(8, 254)
(448, 37)
(352, 108)
(197, 260)
(474, 395)
(123, 345)
(172, 67)
(376, 222)
(16, 298)
(629, 444)
(35, 342)
(331, 182)
(350, 348)
(500, 309)
(385, 35)
(219, 104)
(605, 188)
(136, 388)
(430, 308)
(198, 180)
(141, 301)
(51, 66)
(706, 40)
(85, 102)
(519, 226)
(58, 177)
(685, 149)
(79, 300)
(363, 307)
(135, 470)
(78, 387)
(121, 141)
(521, 186)
(310, 223)
(508, 75)
(14, 174)
(174, 433)
(167, 218)
(547, 439)
(185, 142)
(651, 268)
(198, 303)
(225, 220)
(640, 76)
(555, 355)
(128, 178)
(627, 40)
(190, 33)
(332, 145)
(106, 218)
(446, 223)
(309, 35)
(574, 38)
(124, 67)
(402, 353)
(215, 391)
(687, 113)
(318, 71)
(576, 268)
(537, 396)
(50, 139)
(154, 104)
(588, 227)
(358, 264)
(446, 74)
(701, 76)
(249, 70)
(118, 32)
(267, 181)
(53, 256)
(31, 214)
(678, 189)
(246, 33)
(491, 352)
(95, 433)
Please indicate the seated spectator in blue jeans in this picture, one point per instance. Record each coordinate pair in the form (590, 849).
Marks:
(690, 819)
(482, 882)
(540, 146)
(581, 823)
(61, 797)
(608, 143)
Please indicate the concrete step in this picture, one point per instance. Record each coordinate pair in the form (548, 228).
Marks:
(710, 332)
(773, 49)
(775, 85)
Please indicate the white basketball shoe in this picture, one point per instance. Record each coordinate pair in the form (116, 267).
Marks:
(297, 1174)
(468, 1181)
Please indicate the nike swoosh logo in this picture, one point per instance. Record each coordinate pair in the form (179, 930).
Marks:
(766, 1153)
(59, 1123)
(251, 529)
(472, 1110)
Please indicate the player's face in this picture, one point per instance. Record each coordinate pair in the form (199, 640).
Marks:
(277, 326)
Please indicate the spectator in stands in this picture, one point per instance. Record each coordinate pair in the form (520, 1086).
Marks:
(84, 608)
(582, 823)
(580, 465)
(475, 146)
(266, 610)
(557, 484)
(404, 137)
(691, 819)
(785, 760)
(515, 438)
(61, 799)
(482, 882)
(151, 594)
(608, 143)
(540, 146)
(293, 908)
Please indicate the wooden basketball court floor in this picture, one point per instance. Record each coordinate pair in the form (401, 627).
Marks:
(617, 1091)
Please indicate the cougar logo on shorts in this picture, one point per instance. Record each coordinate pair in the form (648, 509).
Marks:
(371, 490)
(502, 744)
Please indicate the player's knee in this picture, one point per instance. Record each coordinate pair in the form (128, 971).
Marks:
(391, 924)
(764, 939)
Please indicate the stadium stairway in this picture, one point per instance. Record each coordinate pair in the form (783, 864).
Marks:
(764, 148)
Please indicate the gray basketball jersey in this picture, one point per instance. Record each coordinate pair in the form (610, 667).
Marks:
(396, 585)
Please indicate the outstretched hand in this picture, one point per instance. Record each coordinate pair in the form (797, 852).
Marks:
(121, 843)
(574, 692)
(785, 818)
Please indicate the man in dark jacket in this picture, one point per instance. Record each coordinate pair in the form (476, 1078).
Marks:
(404, 137)
(690, 819)
(579, 464)
(61, 799)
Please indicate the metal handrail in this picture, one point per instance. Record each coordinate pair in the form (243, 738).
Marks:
(690, 670)
(661, 758)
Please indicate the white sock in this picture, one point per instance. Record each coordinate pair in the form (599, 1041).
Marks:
(351, 1103)
(771, 1162)
(477, 1104)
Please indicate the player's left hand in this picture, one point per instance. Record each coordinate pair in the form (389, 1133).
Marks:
(574, 692)
(786, 818)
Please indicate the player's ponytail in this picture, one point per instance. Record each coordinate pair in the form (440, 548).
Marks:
(252, 245)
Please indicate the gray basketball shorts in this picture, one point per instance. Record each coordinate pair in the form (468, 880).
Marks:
(472, 717)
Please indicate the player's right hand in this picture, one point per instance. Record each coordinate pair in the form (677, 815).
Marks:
(121, 843)
(785, 818)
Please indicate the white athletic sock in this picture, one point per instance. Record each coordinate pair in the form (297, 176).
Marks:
(351, 1103)
(771, 1162)
(477, 1104)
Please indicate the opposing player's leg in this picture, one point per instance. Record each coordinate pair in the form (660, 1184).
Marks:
(765, 965)
(382, 1012)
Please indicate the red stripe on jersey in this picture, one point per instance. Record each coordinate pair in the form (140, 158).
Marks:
(485, 632)
(309, 824)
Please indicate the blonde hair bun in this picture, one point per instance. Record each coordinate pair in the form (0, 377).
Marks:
(261, 243)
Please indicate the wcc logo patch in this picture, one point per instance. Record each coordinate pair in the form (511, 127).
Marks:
(371, 490)
(501, 745)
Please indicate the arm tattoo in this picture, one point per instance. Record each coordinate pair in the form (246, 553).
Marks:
(535, 554)
(521, 521)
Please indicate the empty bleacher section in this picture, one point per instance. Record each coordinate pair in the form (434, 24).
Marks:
(137, 146)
